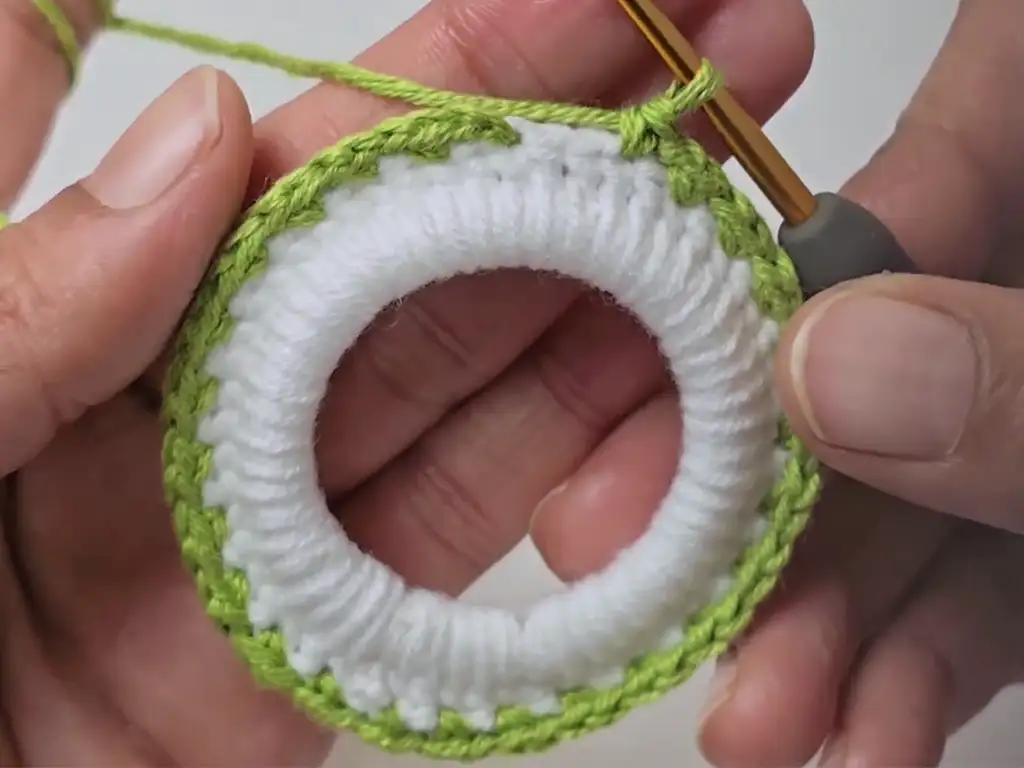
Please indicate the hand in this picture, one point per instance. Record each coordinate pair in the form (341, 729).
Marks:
(899, 624)
(107, 655)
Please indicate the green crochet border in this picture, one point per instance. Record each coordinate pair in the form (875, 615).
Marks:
(296, 201)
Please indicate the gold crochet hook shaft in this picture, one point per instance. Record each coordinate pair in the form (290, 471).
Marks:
(741, 133)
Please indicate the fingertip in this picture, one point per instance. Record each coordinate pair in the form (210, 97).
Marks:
(784, 687)
(581, 525)
(608, 503)
(189, 150)
(896, 712)
(220, 176)
(785, 38)
(173, 183)
(800, 39)
(237, 125)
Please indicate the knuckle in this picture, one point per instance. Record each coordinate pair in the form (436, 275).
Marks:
(453, 518)
(484, 52)
(569, 392)
(419, 359)
(22, 299)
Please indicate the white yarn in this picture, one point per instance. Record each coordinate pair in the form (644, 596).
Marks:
(562, 200)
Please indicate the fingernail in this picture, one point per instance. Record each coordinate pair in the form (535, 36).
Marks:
(161, 145)
(544, 503)
(837, 755)
(833, 755)
(877, 375)
(720, 691)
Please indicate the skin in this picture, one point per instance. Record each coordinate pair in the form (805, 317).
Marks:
(895, 624)
(107, 656)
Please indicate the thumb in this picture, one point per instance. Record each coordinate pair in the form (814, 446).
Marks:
(914, 385)
(877, 375)
(92, 285)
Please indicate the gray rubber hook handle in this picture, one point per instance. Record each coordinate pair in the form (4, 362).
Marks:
(841, 241)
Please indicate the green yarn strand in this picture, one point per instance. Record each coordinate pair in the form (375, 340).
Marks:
(65, 33)
(653, 117)
(677, 100)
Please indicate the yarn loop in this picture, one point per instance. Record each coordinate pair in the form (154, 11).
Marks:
(644, 125)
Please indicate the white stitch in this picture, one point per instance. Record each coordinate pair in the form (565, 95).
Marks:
(562, 200)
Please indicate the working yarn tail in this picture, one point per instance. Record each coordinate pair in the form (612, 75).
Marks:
(661, 112)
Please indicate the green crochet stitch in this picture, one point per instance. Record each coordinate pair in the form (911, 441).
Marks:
(445, 119)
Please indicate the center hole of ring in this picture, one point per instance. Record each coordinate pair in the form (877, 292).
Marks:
(492, 409)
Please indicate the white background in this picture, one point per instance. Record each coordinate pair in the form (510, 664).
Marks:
(870, 56)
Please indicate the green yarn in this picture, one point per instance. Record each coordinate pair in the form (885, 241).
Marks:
(396, 88)
(65, 33)
(296, 202)
(444, 120)
(385, 86)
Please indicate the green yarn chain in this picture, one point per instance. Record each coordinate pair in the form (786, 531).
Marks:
(297, 202)
(443, 120)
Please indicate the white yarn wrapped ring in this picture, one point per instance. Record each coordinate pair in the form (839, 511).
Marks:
(558, 199)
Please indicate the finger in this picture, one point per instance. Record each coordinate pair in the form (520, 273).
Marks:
(607, 504)
(913, 385)
(95, 537)
(535, 50)
(949, 180)
(34, 77)
(774, 700)
(35, 695)
(92, 285)
(955, 646)
(777, 699)
(447, 341)
(462, 496)
(420, 360)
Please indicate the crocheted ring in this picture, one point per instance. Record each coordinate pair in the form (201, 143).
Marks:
(633, 209)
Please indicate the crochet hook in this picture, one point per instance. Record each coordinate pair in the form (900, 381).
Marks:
(829, 239)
